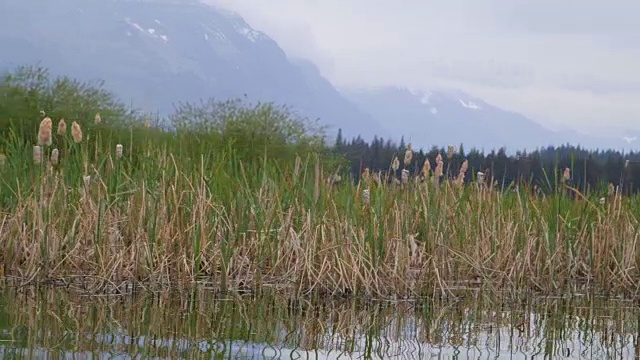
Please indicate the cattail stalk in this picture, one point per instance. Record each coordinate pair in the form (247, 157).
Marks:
(37, 154)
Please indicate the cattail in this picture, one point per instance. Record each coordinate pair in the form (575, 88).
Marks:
(87, 180)
(426, 167)
(460, 178)
(450, 152)
(408, 155)
(566, 175)
(118, 151)
(44, 133)
(37, 154)
(335, 179)
(62, 127)
(464, 166)
(366, 196)
(395, 165)
(404, 176)
(55, 154)
(97, 119)
(480, 178)
(439, 166)
(612, 190)
(76, 132)
(377, 178)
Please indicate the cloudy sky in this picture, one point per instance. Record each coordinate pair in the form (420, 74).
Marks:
(566, 64)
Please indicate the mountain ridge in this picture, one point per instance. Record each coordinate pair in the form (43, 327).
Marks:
(156, 53)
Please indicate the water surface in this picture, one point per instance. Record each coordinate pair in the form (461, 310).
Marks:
(54, 324)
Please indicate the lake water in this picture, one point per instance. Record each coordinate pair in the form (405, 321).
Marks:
(55, 324)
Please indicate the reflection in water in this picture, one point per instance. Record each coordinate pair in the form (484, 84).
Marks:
(57, 324)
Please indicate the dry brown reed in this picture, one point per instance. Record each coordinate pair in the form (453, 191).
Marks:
(401, 244)
(305, 235)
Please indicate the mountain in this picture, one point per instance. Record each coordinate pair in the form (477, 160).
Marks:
(444, 117)
(156, 53)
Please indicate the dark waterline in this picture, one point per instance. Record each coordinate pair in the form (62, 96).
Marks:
(52, 323)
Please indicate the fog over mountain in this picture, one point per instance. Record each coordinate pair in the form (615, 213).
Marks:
(156, 53)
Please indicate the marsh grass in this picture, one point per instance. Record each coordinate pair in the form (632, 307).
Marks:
(139, 205)
(199, 323)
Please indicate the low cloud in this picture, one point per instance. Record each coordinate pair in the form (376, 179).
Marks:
(571, 63)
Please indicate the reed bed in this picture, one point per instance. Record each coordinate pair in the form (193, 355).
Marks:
(199, 323)
(161, 212)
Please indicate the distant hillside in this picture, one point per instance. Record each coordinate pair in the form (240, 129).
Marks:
(156, 53)
(453, 117)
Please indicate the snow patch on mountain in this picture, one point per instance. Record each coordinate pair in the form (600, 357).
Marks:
(469, 105)
(249, 33)
(426, 97)
(149, 31)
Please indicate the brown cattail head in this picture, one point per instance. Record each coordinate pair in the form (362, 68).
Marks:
(118, 151)
(404, 176)
(408, 155)
(464, 166)
(97, 119)
(76, 132)
(366, 196)
(439, 166)
(55, 155)
(62, 127)
(395, 165)
(480, 178)
(365, 174)
(87, 180)
(426, 167)
(44, 133)
(37, 154)
(377, 179)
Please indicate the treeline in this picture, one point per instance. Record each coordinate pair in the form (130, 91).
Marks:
(264, 130)
(589, 169)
